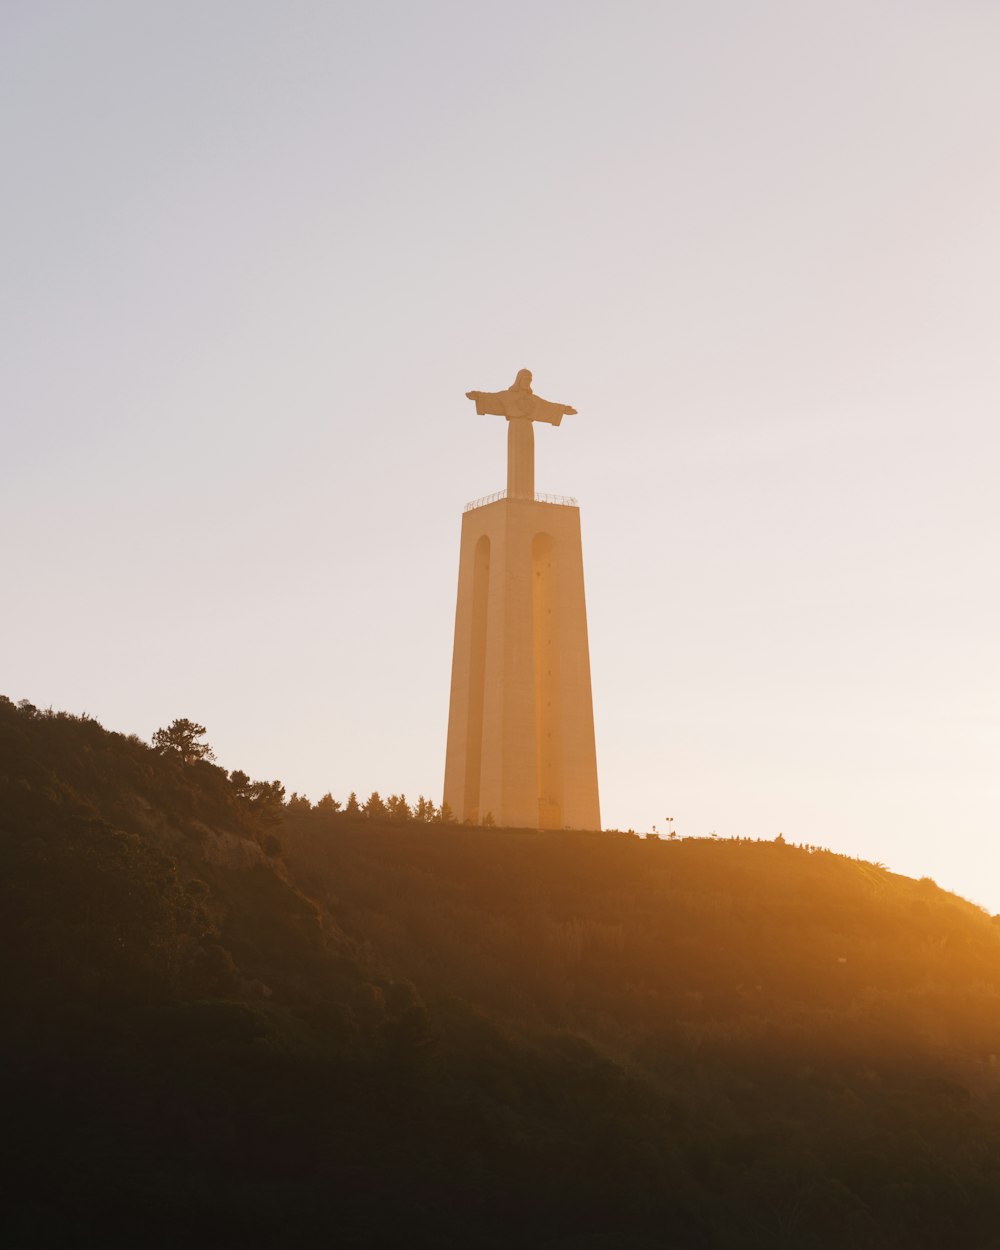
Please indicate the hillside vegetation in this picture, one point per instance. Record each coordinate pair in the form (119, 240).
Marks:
(232, 1019)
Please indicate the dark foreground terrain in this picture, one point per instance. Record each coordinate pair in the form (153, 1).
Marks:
(232, 1021)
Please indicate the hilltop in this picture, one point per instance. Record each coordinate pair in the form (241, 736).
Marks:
(232, 1017)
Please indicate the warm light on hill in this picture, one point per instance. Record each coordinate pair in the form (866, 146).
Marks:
(231, 1015)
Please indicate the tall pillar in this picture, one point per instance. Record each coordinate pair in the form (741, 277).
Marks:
(521, 722)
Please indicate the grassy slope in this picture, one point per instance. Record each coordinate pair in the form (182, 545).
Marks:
(624, 938)
(394, 1034)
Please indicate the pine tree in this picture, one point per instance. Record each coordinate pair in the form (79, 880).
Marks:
(399, 809)
(374, 808)
(181, 738)
(240, 782)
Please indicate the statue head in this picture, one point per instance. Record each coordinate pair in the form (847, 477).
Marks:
(523, 380)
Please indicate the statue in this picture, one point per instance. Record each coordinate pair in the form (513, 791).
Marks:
(521, 406)
(519, 402)
(521, 718)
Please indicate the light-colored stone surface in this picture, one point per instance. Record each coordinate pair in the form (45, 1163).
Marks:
(520, 458)
(520, 402)
(521, 724)
(521, 721)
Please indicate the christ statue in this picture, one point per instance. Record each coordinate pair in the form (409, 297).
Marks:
(519, 402)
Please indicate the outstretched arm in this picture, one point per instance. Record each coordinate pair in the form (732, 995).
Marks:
(545, 410)
(490, 402)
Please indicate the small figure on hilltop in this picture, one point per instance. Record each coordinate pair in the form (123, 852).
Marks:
(519, 401)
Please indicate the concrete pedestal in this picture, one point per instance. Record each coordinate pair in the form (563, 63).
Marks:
(521, 722)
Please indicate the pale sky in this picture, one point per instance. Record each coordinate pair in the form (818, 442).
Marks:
(254, 253)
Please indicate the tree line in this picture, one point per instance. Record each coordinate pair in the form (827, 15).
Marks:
(182, 739)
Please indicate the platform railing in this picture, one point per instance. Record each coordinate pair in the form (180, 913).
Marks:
(562, 501)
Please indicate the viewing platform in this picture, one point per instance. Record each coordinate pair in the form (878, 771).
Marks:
(562, 501)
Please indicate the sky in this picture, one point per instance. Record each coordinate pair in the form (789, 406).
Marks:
(253, 253)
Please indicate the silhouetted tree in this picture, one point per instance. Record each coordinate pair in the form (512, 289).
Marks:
(353, 807)
(424, 809)
(181, 738)
(328, 805)
(267, 800)
(240, 783)
(374, 808)
(446, 815)
(399, 809)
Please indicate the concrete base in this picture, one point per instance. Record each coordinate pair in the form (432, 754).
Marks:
(521, 722)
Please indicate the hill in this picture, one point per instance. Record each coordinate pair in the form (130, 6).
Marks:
(232, 1018)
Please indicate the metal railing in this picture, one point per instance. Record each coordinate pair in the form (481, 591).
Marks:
(562, 501)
